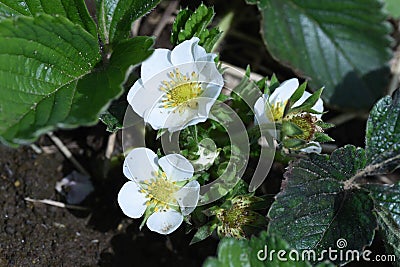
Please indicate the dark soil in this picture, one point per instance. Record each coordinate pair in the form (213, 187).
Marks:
(35, 234)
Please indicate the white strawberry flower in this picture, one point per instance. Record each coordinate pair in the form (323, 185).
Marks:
(177, 88)
(278, 100)
(160, 186)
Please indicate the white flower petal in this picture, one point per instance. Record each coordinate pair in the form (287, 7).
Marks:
(260, 111)
(131, 200)
(164, 222)
(156, 63)
(176, 166)
(158, 117)
(143, 97)
(182, 117)
(187, 52)
(141, 163)
(188, 196)
(284, 91)
(315, 148)
(126, 171)
(319, 106)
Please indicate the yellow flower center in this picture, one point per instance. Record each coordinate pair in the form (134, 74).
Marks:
(276, 111)
(181, 90)
(160, 191)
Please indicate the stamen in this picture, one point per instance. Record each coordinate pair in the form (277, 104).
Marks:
(182, 91)
(160, 192)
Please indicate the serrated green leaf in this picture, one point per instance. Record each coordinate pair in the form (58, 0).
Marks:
(208, 38)
(197, 22)
(42, 59)
(127, 52)
(391, 234)
(328, 41)
(74, 10)
(382, 144)
(116, 17)
(179, 24)
(240, 253)
(388, 197)
(387, 201)
(88, 103)
(318, 203)
(47, 77)
(189, 24)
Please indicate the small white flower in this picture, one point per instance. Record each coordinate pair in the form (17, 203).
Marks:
(277, 102)
(160, 185)
(177, 88)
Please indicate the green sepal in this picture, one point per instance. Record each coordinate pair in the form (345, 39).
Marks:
(322, 138)
(203, 232)
(307, 105)
(293, 143)
(290, 129)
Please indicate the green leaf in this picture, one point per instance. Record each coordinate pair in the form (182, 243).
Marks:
(208, 38)
(393, 8)
(179, 24)
(126, 54)
(319, 204)
(47, 77)
(239, 253)
(387, 201)
(328, 41)
(74, 10)
(42, 59)
(382, 142)
(189, 24)
(391, 233)
(203, 232)
(116, 17)
(388, 197)
(87, 103)
(113, 118)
